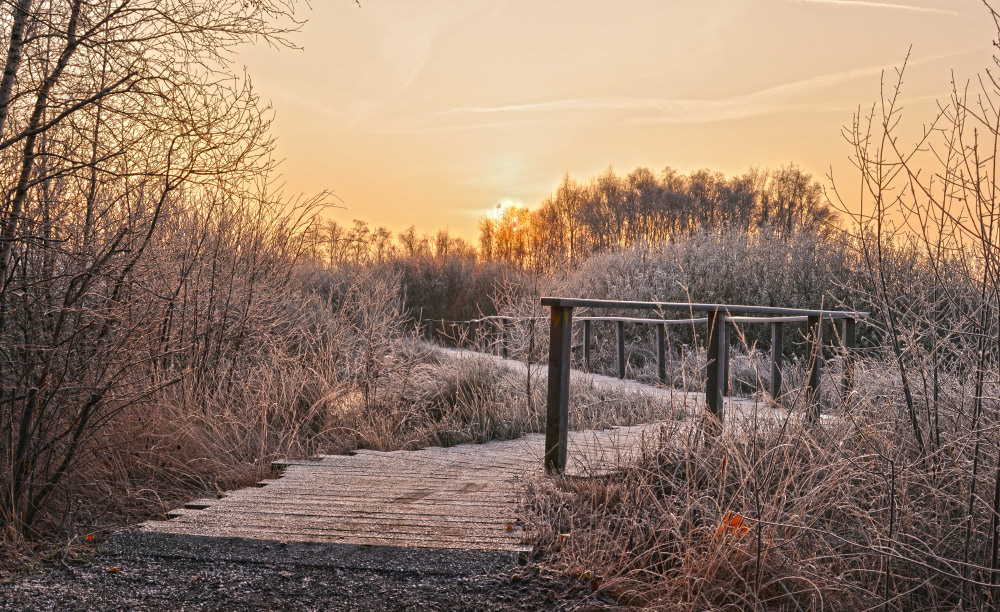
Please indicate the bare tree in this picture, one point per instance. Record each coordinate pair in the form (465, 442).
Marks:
(931, 209)
(130, 155)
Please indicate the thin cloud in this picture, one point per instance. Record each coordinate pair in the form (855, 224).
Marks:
(786, 97)
(609, 103)
(881, 5)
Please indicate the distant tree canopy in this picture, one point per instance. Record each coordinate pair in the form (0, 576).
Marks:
(613, 211)
(332, 244)
(440, 274)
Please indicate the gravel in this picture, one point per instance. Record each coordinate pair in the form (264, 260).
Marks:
(119, 578)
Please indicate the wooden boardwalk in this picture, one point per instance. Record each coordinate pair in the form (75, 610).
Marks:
(464, 497)
(461, 497)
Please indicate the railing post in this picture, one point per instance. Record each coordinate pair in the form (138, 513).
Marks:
(505, 322)
(726, 335)
(586, 345)
(473, 332)
(557, 401)
(815, 364)
(848, 334)
(667, 344)
(776, 351)
(620, 333)
(714, 367)
(527, 362)
(661, 358)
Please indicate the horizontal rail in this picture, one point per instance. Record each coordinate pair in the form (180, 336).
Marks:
(729, 309)
(647, 321)
(802, 319)
(482, 319)
(827, 316)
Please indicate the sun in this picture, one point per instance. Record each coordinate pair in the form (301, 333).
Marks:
(500, 209)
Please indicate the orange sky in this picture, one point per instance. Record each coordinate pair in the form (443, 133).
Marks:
(430, 112)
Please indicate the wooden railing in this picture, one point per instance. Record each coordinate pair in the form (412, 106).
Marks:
(468, 332)
(496, 331)
(717, 344)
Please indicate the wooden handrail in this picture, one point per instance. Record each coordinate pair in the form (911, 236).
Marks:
(729, 309)
(717, 318)
(717, 345)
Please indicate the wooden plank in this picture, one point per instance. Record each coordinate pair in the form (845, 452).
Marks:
(729, 309)
(777, 331)
(661, 357)
(473, 334)
(645, 321)
(620, 336)
(460, 497)
(505, 342)
(714, 367)
(557, 401)
(199, 504)
(848, 339)
(814, 365)
(726, 374)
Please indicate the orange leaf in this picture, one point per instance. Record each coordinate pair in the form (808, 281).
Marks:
(734, 524)
(113, 570)
(89, 537)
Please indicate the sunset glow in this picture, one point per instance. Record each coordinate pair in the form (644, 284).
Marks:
(431, 112)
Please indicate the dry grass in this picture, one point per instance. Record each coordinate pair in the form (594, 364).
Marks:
(343, 375)
(775, 514)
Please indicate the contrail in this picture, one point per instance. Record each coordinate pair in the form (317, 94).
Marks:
(885, 5)
(699, 110)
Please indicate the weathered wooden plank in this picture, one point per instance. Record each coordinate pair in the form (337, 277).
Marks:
(458, 497)
(661, 356)
(777, 332)
(729, 309)
(620, 337)
(814, 365)
(848, 339)
(715, 368)
(557, 403)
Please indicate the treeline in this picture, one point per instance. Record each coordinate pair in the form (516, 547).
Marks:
(440, 276)
(612, 211)
(445, 276)
(333, 244)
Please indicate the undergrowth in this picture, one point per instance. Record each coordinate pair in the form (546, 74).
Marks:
(778, 514)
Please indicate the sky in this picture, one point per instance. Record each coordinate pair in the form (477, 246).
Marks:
(431, 112)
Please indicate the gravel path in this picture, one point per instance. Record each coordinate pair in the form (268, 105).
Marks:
(184, 584)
